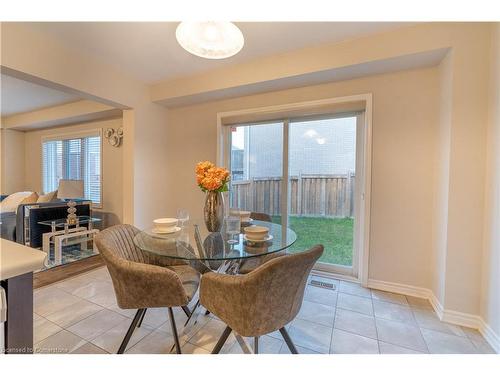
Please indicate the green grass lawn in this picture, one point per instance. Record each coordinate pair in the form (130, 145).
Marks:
(335, 234)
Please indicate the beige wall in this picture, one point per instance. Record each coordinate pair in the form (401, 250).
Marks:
(404, 129)
(112, 163)
(12, 161)
(490, 297)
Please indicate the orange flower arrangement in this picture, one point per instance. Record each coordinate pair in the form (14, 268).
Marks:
(211, 178)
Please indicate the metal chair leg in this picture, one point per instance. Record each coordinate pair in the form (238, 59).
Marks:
(142, 318)
(197, 304)
(174, 330)
(130, 331)
(222, 340)
(256, 345)
(186, 311)
(288, 341)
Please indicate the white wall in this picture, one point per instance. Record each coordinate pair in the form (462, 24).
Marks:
(490, 296)
(404, 131)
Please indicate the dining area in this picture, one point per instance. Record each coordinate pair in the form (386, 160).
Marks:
(240, 274)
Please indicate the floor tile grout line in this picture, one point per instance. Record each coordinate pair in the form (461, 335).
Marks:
(62, 329)
(448, 334)
(375, 322)
(78, 321)
(58, 332)
(402, 346)
(114, 326)
(421, 334)
(334, 321)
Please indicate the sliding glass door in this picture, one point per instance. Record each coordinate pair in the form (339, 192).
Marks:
(302, 172)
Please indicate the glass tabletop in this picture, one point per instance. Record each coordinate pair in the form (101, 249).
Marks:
(194, 242)
(60, 223)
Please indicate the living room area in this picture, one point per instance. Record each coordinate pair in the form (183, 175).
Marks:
(55, 147)
(315, 187)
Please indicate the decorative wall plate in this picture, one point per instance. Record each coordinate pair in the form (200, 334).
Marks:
(113, 136)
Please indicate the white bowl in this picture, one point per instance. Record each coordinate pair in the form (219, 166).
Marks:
(256, 232)
(165, 223)
(245, 215)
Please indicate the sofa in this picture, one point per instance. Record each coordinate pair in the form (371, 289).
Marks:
(22, 225)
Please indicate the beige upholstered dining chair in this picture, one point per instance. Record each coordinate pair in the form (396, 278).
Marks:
(250, 264)
(260, 216)
(262, 301)
(140, 280)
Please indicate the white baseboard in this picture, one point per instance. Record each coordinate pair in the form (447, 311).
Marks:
(490, 336)
(448, 316)
(408, 290)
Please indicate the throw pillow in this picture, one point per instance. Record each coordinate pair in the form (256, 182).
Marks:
(10, 203)
(33, 198)
(49, 197)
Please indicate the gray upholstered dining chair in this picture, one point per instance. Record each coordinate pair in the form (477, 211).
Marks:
(262, 301)
(141, 281)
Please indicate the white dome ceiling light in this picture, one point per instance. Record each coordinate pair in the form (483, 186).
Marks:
(211, 40)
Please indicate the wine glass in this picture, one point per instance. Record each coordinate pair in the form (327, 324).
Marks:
(233, 226)
(182, 216)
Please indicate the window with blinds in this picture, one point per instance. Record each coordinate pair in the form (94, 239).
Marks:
(75, 159)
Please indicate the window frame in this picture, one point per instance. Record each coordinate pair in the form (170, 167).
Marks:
(328, 107)
(76, 135)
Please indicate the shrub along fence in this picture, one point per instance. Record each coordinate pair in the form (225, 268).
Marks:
(310, 195)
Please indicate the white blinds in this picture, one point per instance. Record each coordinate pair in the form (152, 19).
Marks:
(76, 159)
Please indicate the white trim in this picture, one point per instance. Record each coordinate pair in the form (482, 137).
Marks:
(489, 335)
(71, 135)
(364, 246)
(408, 290)
(445, 315)
(293, 106)
(335, 269)
(364, 225)
(333, 276)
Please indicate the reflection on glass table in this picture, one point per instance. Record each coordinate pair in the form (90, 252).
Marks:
(194, 242)
(208, 251)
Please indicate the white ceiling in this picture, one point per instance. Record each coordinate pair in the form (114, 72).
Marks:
(18, 96)
(150, 52)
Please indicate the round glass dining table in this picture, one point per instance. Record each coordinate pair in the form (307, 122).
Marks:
(213, 251)
(194, 242)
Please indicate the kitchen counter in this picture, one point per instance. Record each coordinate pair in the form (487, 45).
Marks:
(17, 259)
(17, 264)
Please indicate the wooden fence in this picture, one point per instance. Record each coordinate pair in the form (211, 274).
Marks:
(310, 195)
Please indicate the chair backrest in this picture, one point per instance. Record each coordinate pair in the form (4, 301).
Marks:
(119, 241)
(260, 216)
(267, 298)
(137, 281)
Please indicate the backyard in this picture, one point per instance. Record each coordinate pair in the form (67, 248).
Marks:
(335, 234)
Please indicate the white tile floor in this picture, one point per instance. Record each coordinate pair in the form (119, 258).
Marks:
(80, 315)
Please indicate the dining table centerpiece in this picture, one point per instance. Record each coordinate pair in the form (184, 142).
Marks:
(213, 181)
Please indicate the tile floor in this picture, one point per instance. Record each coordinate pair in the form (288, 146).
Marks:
(80, 315)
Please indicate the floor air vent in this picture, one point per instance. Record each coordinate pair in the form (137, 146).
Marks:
(322, 284)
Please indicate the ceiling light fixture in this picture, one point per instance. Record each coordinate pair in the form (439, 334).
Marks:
(211, 40)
